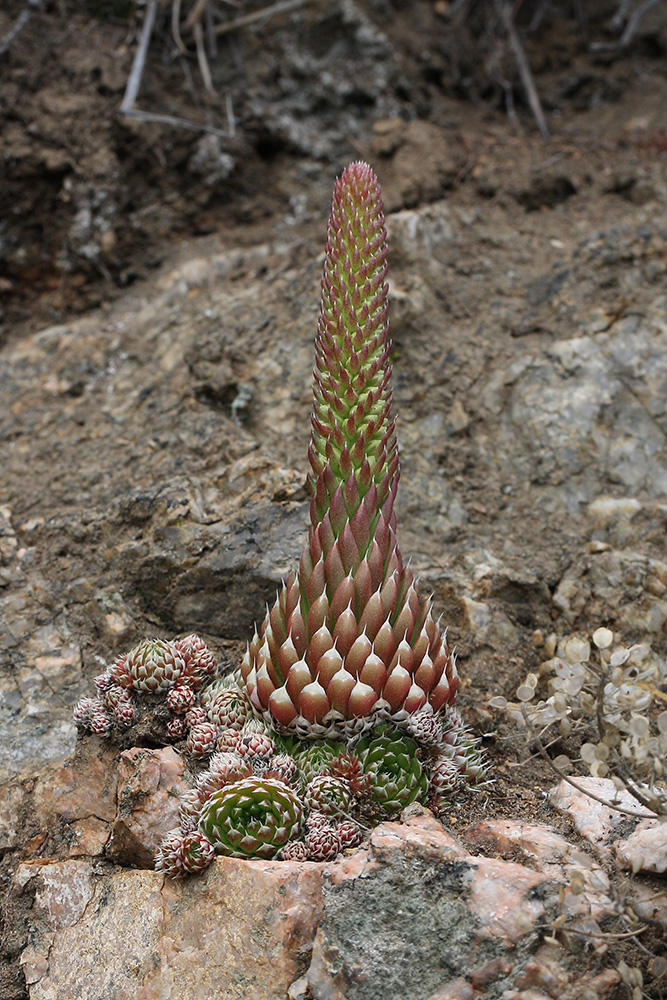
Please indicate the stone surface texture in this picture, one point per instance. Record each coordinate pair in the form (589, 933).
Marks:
(635, 839)
(412, 914)
(149, 785)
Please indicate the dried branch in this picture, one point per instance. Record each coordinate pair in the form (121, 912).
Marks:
(571, 781)
(150, 116)
(505, 14)
(211, 40)
(282, 7)
(231, 121)
(202, 60)
(134, 79)
(195, 15)
(176, 27)
(19, 24)
(630, 28)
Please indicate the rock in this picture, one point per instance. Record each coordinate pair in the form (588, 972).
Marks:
(418, 915)
(620, 586)
(548, 851)
(637, 844)
(419, 161)
(10, 823)
(242, 929)
(149, 785)
(411, 914)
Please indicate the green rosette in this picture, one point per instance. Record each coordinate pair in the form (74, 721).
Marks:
(397, 777)
(251, 818)
(315, 757)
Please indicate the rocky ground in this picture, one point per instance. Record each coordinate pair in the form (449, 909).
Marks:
(154, 447)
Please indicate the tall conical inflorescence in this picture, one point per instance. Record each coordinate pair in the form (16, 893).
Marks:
(349, 642)
(342, 711)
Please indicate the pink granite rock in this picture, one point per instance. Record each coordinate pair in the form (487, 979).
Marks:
(543, 848)
(240, 930)
(79, 794)
(411, 915)
(149, 785)
(644, 849)
(418, 915)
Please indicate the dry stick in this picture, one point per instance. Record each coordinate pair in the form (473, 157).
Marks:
(504, 12)
(620, 15)
(176, 27)
(194, 16)
(630, 28)
(19, 24)
(149, 116)
(633, 23)
(231, 122)
(202, 60)
(211, 40)
(190, 83)
(259, 15)
(134, 79)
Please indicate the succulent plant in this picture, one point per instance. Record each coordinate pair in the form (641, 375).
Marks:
(180, 699)
(296, 850)
(315, 758)
(202, 739)
(153, 665)
(392, 763)
(329, 795)
(349, 641)
(343, 707)
(200, 663)
(349, 833)
(224, 769)
(229, 709)
(254, 817)
(184, 854)
(323, 843)
(252, 744)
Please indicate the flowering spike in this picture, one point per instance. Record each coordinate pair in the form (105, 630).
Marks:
(349, 638)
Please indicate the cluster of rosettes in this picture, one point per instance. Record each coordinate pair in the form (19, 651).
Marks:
(268, 796)
(176, 670)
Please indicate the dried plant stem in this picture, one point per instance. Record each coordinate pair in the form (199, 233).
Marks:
(630, 28)
(202, 60)
(231, 121)
(176, 27)
(505, 14)
(150, 116)
(134, 79)
(282, 7)
(195, 15)
(19, 24)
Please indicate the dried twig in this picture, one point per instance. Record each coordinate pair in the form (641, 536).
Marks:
(202, 60)
(211, 40)
(618, 20)
(19, 24)
(630, 28)
(505, 14)
(231, 121)
(134, 79)
(195, 15)
(150, 116)
(176, 27)
(282, 7)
